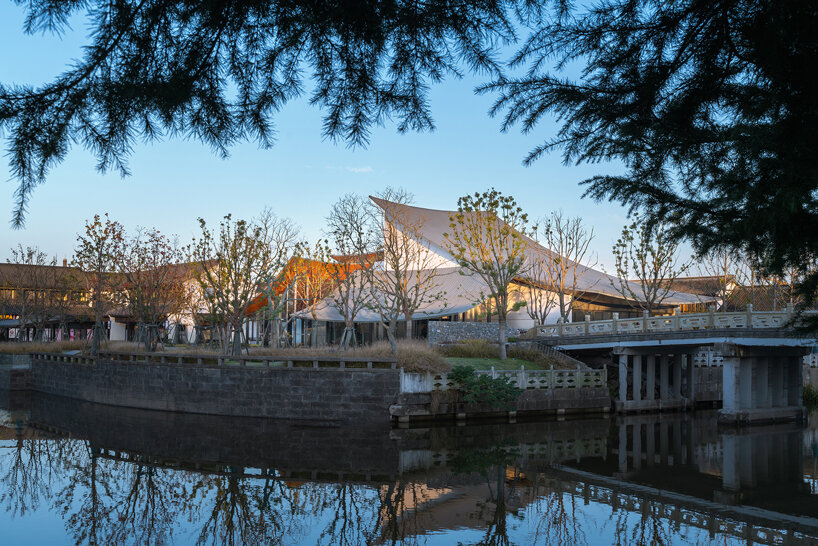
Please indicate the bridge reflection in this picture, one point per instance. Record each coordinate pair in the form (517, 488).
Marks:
(655, 475)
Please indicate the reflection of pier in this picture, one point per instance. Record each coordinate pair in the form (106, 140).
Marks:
(751, 524)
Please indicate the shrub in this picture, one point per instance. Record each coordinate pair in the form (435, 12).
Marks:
(479, 389)
(810, 396)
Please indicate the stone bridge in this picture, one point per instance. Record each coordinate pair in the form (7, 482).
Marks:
(760, 360)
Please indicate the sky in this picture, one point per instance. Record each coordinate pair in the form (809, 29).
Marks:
(174, 182)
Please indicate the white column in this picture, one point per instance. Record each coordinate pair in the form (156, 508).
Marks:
(730, 384)
(637, 377)
(794, 380)
(746, 399)
(651, 377)
(664, 383)
(776, 376)
(690, 373)
(677, 376)
(762, 383)
(623, 378)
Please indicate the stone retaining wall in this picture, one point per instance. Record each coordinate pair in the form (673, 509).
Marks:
(452, 332)
(445, 404)
(325, 394)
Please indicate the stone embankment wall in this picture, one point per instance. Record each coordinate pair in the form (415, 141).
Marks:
(325, 394)
(14, 373)
(556, 401)
(452, 332)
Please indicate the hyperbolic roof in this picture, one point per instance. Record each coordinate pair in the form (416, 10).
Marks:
(433, 224)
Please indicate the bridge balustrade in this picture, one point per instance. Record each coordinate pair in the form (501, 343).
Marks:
(670, 323)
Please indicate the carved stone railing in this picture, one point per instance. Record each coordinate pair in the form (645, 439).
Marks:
(669, 323)
(522, 378)
(249, 361)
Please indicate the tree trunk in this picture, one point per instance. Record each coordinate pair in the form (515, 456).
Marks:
(501, 327)
(237, 341)
(390, 335)
(408, 325)
(276, 325)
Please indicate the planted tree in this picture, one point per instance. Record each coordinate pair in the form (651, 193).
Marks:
(26, 278)
(646, 255)
(154, 287)
(278, 287)
(230, 263)
(97, 257)
(408, 274)
(487, 237)
(567, 242)
(354, 243)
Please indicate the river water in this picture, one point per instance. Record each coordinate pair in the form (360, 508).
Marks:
(79, 473)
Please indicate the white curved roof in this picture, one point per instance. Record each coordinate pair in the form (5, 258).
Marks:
(435, 223)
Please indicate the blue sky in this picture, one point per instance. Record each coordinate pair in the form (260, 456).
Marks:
(176, 181)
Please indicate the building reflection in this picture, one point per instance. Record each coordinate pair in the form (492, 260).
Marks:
(119, 476)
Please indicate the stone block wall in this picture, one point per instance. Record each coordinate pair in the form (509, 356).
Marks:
(452, 332)
(325, 394)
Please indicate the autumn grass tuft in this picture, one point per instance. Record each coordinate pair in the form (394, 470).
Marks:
(413, 355)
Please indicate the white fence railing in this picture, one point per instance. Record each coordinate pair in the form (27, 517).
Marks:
(669, 323)
(522, 378)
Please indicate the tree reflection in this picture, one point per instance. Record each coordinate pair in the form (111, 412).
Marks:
(558, 522)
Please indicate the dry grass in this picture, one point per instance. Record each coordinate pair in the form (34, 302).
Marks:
(17, 348)
(413, 355)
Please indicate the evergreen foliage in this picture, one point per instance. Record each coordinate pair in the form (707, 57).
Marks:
(219, 71)
(480, 389)
(711, 107)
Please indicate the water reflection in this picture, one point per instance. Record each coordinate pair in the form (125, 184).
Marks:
(102, 475)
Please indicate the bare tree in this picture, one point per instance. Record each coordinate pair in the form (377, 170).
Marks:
(407, 276)
(154, 284)
(567, 241)
(278, 288)
(25, 279)
(729, 267)
(487, 236)
(96, 256)
(354, 242)
(648, 256)
(230, 264)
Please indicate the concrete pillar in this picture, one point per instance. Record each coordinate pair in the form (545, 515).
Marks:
(794, 380)
(690, 378)
(637, 377)
(623, 378)
(776, 377)
(677, 376)
(762, 383)
(651, 377)
(664, 383)
(745, 386)
(730, 384)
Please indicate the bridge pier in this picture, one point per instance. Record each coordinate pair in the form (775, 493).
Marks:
(762, 384)
(637, 378)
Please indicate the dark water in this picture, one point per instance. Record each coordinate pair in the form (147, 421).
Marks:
(76, 473)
